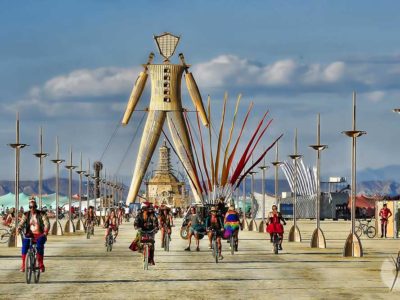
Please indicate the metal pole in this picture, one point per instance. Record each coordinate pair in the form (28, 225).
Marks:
(57, 161)
(17, 146)
(41, 156)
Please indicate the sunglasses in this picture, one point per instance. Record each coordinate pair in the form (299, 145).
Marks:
(31, 207)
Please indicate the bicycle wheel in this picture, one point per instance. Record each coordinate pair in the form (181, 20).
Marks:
(29, 262)
(36, 271)
(4, 236)
(232, 244)
(145, 257)
(215, 244)
(214, 247)
(276, 243)
(371, 232)
(359, 231)
(166, 242)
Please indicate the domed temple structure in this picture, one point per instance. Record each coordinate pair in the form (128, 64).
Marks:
(164, 187)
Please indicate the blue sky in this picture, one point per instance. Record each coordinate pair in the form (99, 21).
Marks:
(69, 66)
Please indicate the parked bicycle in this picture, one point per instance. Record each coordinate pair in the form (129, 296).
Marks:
(147, 242)
(365, 227)
(5, 234)
(31, 263)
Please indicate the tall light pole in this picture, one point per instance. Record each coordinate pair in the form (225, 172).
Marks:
(276, 165)
(318, 238)
(41, 155)
(87, 175)
(57, 228)
(263, 168)
(79, 224)
(294, 233)
(17, 146)
(69, 226)
(353, 245)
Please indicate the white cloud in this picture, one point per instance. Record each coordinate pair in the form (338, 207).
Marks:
(88, 83)
(375, 96)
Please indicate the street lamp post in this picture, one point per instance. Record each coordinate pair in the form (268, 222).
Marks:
(294, 233)
(318, 238)
(57, 228)
(79, 224)
(262, 227)
(69, 226)
(17, 146)
(41, 155)
(276, 165)
(353, 245)
(87, 175)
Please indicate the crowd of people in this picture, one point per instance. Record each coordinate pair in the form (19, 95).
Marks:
(219, 220)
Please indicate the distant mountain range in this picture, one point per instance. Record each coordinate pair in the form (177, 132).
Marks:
(370, 187)
(49, 186)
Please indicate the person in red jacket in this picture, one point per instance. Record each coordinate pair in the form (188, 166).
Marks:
(385, 214)
(36, 225)
(274, 224)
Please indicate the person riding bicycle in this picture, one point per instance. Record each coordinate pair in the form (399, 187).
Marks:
(215, 222)
(232, 224)
(274, 224)
(385, 214)
(165, 218)
(120, 214)
(193, 227)
(90, 218)
(111, 224)
(36, 226)
(146, 221)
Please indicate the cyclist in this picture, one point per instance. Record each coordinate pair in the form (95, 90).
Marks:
(90, 218)
(36, 226)
(385, 214)
(214, 221)
(193, 228)
(232, 224)
(120, 214)
(146, 221)
(221, 208)
(111, 224)
(165, 218)
(274, 224)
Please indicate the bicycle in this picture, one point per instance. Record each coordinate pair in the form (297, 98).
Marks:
(276, 242)
(233, 243)
(167, 238)
(214, 245)
(89, 230)
(147, 242)
(5, 235)
(364, 227)
(31, 263)
(109, 241)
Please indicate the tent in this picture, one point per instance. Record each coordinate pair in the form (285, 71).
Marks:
(8, 200)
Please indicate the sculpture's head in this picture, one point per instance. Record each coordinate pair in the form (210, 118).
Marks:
(166, 43)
